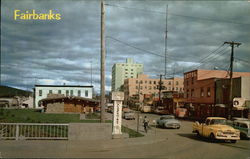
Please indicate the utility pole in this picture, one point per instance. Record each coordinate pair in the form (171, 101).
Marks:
(166, 44)
(230, 103)
(160, 88)
(138, 117)
(102, 62)
(91, 76)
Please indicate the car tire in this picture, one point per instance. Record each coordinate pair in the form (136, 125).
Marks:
(212, 137)
(178, 127)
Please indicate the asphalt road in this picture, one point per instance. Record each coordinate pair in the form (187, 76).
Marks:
(157, 143)
(182, 143)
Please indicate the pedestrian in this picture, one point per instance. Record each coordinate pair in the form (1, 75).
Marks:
(145, 123)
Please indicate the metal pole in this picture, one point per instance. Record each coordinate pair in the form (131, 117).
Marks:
(102, 62)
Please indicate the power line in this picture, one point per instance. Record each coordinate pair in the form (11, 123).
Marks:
(130, 45)
(178, 15)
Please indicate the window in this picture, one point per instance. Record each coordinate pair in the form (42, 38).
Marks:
(79, 93)
(50, 91)
(136, 81)
(136, 87)
(141, 87)
(208, 92)
(150, 82)
(187, 83)
(59, 92)
(145, 87)
(71, 92)
(141, 82)
(86, 93)
(192, 80)
(67, 92)
(177, 83)
(180, 89)
(187, 93)
(154, 82)
(169, 83)
(202, 92)
(192, 92)
(40, 92)
(146, 81)
(132, 70)
(176, 88)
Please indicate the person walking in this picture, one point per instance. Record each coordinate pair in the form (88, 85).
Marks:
(145, 123)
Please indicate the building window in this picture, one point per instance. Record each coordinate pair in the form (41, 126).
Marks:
(79, 93)
(187, 83)
(169, 83)
(177, 83)
(180, 89)
(136, 87)
(50, 91)
(71, 92)
(154, 82)
(192, 80)
(202, 92)
(176, 88)
(59, 92)
(187, 93)
(86, 93)
(208, 92)
(67, 93)
(145, 87)
(141, 82)
(40, 92)
(132, 70)
(192, 92)
(150, 82)
(136, 81)
(150, 87)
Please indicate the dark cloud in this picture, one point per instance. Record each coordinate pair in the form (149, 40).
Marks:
(57, 52)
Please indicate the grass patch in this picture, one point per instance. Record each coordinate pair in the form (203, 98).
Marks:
(35, 116)
(131, 132)
(93, 116)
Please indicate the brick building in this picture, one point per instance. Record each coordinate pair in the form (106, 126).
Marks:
(148, 86)
(199, 86)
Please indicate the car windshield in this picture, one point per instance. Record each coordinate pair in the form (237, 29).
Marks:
(218, 121)
(167, 117)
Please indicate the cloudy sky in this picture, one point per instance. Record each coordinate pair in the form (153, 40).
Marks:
(64, 51)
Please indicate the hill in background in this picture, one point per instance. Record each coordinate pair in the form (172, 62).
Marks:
(6, 91)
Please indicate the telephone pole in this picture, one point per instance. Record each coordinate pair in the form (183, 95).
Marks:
(160, 88)
(102, 62)
(166, 44)
(230, 103)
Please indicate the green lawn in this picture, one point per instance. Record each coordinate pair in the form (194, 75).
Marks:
(131, 132)
(35, 116)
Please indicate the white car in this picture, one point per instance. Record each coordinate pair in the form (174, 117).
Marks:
(168, 121)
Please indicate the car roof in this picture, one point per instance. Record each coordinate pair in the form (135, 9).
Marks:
(243, 121)
(215, 118)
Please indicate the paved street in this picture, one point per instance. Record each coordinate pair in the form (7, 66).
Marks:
(157, 143)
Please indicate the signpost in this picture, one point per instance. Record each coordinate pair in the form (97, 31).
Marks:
(117, 97)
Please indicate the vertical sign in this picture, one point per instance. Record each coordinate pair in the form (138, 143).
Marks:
(117, 97)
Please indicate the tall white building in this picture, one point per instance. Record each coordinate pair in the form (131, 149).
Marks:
(41, 91)
(121, 71)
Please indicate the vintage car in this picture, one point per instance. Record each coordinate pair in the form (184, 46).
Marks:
(243, 126)
(128, 115)
(215, 128)
(168, 121)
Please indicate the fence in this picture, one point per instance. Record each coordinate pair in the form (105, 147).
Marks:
(23, 131)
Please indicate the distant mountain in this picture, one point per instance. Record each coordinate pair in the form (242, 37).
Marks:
(6, 91)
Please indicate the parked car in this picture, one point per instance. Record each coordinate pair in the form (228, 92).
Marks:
(243, 126)
(128, 115)
(215, 128)
(168, 121)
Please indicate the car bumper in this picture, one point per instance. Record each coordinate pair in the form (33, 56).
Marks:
(227, 137)
(173, 126)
